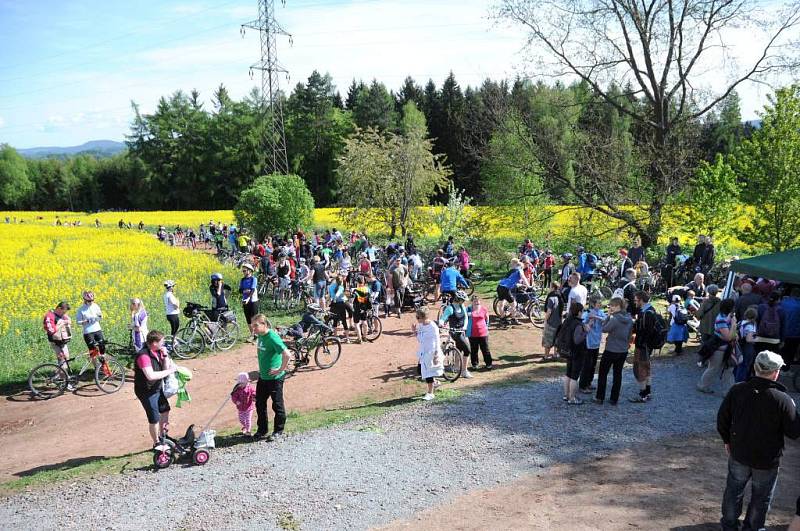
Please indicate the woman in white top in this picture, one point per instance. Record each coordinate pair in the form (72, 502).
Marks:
(138, 324)
(89, 316)
(429, 354)
(172, 306)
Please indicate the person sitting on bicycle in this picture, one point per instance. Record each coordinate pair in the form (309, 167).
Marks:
(89, 316)
(309, 319)
(302, 276)
(57, 326)
(219, 296)
(455, 315)
(450, 280)
(507, 287)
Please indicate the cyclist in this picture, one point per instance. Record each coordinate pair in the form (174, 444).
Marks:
(57, 326)
(302, 275)
(547, 265)
(308, 320)
(89, 316)
(439, 263)
(455, 315)
(320, 279)
(361, 304)
(567, 268)
(219, 296)
(340, 308)
(248, 287)
(364, 265)
(508, 285)
(463, 261)
(172, 306)
(451, 280)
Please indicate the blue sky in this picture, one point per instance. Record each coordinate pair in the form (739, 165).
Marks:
(69, 69)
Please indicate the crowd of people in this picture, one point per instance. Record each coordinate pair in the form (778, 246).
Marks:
(748, 335)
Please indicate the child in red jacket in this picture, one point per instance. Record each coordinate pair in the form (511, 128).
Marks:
(244, 396)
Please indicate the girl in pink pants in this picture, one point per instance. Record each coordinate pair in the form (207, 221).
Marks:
(244, 396)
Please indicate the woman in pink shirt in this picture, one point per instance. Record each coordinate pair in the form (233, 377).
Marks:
(478, 332)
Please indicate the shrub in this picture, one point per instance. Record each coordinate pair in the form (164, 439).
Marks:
(275, 204)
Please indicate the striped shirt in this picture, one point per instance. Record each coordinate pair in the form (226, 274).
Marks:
(722, 321)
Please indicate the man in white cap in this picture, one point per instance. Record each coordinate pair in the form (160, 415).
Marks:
(753, 419)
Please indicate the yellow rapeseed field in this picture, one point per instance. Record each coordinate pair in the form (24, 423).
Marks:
(42, 265)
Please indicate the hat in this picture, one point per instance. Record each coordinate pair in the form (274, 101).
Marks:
(169, 283)
(243, 378)
(713, 288)
(249, 266)
(676, 298)
(768, 361)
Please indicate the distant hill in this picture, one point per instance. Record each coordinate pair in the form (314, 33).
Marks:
(99, 148)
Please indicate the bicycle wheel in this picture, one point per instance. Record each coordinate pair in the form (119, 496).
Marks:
(374, 328)
(476, 276)
(226, 336)
(496, 307)
(109, 375)
(606, 292)
(188, 343)
(453, 362)
(328, 352)
(47, 381)
(470, 289)
(535, 314)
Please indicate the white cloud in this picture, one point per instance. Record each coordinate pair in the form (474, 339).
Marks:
(2, 121)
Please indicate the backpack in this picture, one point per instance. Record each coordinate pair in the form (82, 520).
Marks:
(591, 261)
(770, 324)
(619, 293)
(565, 337)
(681, 316)
(658, 331)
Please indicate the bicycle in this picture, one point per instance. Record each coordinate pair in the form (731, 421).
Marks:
(201, 331)
(49, 380)
(453, 359)
(326, 346)
(373, 324)
(528, 307)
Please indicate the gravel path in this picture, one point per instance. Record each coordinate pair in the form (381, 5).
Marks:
(373, 471)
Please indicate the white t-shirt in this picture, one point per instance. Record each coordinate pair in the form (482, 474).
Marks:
(89, 316)
(171, 303)
(577, 294)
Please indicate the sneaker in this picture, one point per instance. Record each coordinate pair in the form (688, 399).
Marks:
(259, 435)
(565, 399)
(466, 374)
(428, 396)
(489, 367)
(586, 391)
(704, 390)
(473, 367)
(639, 399)
(276, 436)
(575, 402)
(597, 401)
(70, 387)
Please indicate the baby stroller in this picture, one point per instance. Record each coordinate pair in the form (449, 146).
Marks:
(197, 448)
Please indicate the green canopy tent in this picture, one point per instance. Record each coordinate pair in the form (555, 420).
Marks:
(783, 266)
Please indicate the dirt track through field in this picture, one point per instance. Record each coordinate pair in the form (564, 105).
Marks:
(85, 424)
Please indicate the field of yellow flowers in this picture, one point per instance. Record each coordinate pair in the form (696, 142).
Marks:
(41, 264)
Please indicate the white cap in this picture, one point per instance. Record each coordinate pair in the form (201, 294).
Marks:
(768, 361)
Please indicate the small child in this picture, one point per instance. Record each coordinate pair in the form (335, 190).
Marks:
(691, 303)
(244, 395)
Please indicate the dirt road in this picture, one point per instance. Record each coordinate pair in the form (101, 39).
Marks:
(89, 423)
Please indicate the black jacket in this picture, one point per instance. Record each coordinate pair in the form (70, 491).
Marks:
(753, 418)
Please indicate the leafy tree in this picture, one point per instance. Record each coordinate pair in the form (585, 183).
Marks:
(714, 198)
(769, 165)
(660, 52)
(388, 176)
(374, 107)
(456, 218)
(275, 204)
(14, 182)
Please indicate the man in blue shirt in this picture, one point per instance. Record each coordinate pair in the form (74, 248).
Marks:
(451, 280)
(506, 287)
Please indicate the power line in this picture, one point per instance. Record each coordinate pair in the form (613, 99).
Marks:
(274, 136)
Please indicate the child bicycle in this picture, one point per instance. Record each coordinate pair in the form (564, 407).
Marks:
(50, 380)
(326, 346)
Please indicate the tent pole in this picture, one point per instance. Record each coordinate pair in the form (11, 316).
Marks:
(728, 285)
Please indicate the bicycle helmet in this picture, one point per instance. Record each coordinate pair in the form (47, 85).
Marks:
(88, 295)
(216, 276)
(460, 295)
(314, 307)
(566, 255)
(302, 260)
(248, 265)
(169, 284)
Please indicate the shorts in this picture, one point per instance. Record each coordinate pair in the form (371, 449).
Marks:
(504, 294)
(61, 351)
(575, 363)
(359, 312)
(641, 363)
(154, 405)
(549, 336)
(319, 289)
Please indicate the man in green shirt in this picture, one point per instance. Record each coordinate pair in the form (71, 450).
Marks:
(273, 356)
